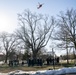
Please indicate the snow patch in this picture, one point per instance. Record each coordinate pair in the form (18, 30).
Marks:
(69, 70)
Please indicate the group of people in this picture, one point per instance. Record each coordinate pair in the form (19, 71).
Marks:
(13, 62)
(36, 61)
(32, 62)
(52, 60)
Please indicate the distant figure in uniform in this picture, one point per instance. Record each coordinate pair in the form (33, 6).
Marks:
(39, 6)
(29, 62)
(50, 60)
(57, 59)
(47, 61)
(22, 63)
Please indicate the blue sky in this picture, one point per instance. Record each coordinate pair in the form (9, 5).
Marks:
(10, 8)
(51, 7)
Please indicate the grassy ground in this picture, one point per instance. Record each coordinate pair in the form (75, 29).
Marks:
(5, 68)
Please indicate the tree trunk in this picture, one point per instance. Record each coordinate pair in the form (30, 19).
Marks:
(74, 53)
(6, 58)
(67, 50)
(67, 57)
(34, 54)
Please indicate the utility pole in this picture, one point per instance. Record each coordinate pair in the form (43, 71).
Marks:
(53, 58)
(67, 49)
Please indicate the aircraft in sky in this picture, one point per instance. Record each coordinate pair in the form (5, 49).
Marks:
(39, 6)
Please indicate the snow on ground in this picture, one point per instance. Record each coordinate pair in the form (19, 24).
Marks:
(3, 73)
(69, 70)
(1, 62)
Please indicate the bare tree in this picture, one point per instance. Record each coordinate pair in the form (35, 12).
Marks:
(35, 30)
(8, 42)
(67, 28)
(67, 23)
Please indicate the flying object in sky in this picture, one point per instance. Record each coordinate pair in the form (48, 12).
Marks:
(39, 6)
